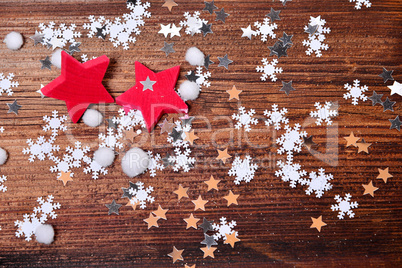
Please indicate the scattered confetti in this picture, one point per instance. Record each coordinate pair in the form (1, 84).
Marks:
(7, 85)
(13, 107)
(113, 207)
(344, 206)
(384, 174)
(291, 141)
(191, 222)
(224, 62)
(248, 32)
(386, 75)
(376, 98)
(152, 221)
(290, 172)
(65, 177)
(269, 69)
(369, 188)
(276, 117)
(243, 170)
(199, 203)
(206, 225)
(363, 146)
(193, 23)
(308, 142)
(176, 254)
(170, 4)
(318, 183)
(234, 93)
(351, 140)
(315, 41)
(388, 105)
(359, 3)
(223, 155)
(395, 123)
(212, 184)
(3, 188)
(141, 195)
(396, 88)
(231, 198)
(181, 192)
(208, 252)
(356, 92)
(317, 223)
(287, 87)
(245, 119)
(231, 239)
(274, 15)
(265, 29)
(168, 48)
(324, 113)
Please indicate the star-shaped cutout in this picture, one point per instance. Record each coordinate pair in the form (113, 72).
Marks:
(210, 6)
(148, 84)
(126, 191)
(369, 188)
(130, 135)
(181, 192)
(65, 177)
(38, 38)
(386, 75)
(351, 140)
(396, 88)
(287, 87)
(199, 203)
(176, 254)
(376, 98)
(101, 32)
(187, 120)
(153, 104)
(170, 4)
(13, 107)
(286, 39)
(113, 207)
(176, 135)
(248, 32)
(274, 15)
(363, 146)
(231, 198)
(40, 91)
(206, 225)
(209, 241)
(160, 213)
(231, 239)
(224, 62)
(191, 137)
(46, 63)
(165, 30)
(111, 123)
(207, 62)
(57, 42)
(152, 221)
(223, 155)
(388, 105)
(395, 123)
(166, 162)
(166, 126)
(308, 142)
(221, 15)
(206, 28)
(212, 183)
(192, 77)
(280, 49)
(208, 252)
(175, 31)
(79, 84)
(311, 29)
(317, 223)
(168, 48)
(132, 204)
(74, 48)
(191, 222)
(234, 93)
(316, 21)
(274, 48)
(384, 174)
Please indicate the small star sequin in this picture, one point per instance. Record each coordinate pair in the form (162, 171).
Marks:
(176, 135)
(46, 63)
(223, 155)
(199, 203)
(166, 161)
(395, 123)
(13, 107)
(234, 93)
(363, 146)
(210, 7)
(208, 252)
(369, 188)
(176, 254)
(191, 137)
(386, 75)
(279, 49)
(170, 4)
(248, 32)
(130, 135)
(206, 225)
(168, 48)
(160, 213)
(65, 177)
(165, 30)
(74, 48)
(286, 40)
(152, 221)
(388, 105)
(113, 207)
(231, 198)
(207, 62)
(212, 184)
(166, 126)
(209, 241)
(287, 87)
(351, 140)
(384, 174)
(376, 98)
(38, 38)
(206, 29)
(396, 88)
(191, 222)
(101, 32)
(192, 77)
(308, 142)
(181, 192)
(274, 15)
(311, 29)
(224, 62)
(317, 223)
(148, 84)
(111, 123)
(231, 239)
(221, 15)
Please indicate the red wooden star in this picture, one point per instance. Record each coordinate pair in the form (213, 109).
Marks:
(153, 94)
(79, 84)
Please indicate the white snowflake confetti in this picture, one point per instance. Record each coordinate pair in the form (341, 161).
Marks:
(193, 23)
(223, 228)
(359, 3)
(182, 159)
(318, 183)
(58, 37)
(291, 141)
(128, 121)
(47, 208)
(265, 29)
(94, 25)
(315, 42)
(243, 170)
(84, 58)
(276, 117)
(269, 70)
(245, 119)
(324, 113)
(62, 165)
(68, 34)
(344, 206)
(27, 227)
(290, 172)
(94, 168)
(6, 84)
(3, 188)
(355, 92)
(111, 140)
(141, 195)
(154, 164)
(77, 154)
(182, 142)
(55, 123)
(41, 148)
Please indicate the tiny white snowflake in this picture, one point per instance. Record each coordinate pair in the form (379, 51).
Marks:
(6, 84)
(355, 92)
(93, 25)
(245, 119)
(62, 165)
(193, 23)
(324, 113)
(291, 141)
(202, 79)
(77, 154)
(269, 70)
(141, 195)
(27, 227)
(126, 122)
(290, 172)
(359, 3)
(68, 34)
(265, 29)
(55, 123)
(84, 58)
(154, 164)
(40, 148)
(223, 229)
(318, 183)
(182, 159)
(47, 208)
(316, 40)
(3, 188)
(1, 129)
(94, 168)
(276, 117)
(48, 32)
(344, 206)
(243, 170)
(181, 128)
(111, 140)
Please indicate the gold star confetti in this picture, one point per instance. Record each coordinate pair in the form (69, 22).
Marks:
(199, 203)
(176, 254)
(384, 174)
(65, 177)
(317, 223)
(369, 188)
(170, 4)
(160, 213)
(132, 204)
(363, 146)
(308, 142)
(152, 221)
(223, 155)
(351, 140)
(212, 183)
(191, 222)
(231, 239)
(231, 198)
(191, 137)
(166, 126)
(130, 135)
(234, 93)
(208, 252)
(186, 266)
(181, 192)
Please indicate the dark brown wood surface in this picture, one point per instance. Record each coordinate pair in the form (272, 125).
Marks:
(273, 219)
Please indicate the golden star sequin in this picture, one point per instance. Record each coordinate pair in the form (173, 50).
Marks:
(317, 223)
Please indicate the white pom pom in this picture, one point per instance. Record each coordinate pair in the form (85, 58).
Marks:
(3, 156)
(92, 118)
(135, 162)
(56, 58)
(189, 90)
(14, 40)
(44, 234)
(194, 56)
(104, 156)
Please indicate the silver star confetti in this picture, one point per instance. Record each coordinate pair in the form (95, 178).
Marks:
(395, 123)
(311, 29)
(225, 61)
(206, 225)
(207, 62)
(386, 75)
(113, 207)
(376, 98)
(168, 48)
(210, 6)
(192, 77)
(221, 15)
(38, 38)
(148, 84)
(176, 135)
(388, 105)
(206, 28)
(209, 241)
(13, 107)
(274, 15)
(286, 39)
(287, 87)
(74, 48)
(46, 63)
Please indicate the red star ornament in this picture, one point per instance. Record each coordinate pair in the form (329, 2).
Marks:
(153, 94)
(79, 84)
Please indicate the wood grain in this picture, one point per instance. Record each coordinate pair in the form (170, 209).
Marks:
(273, 220)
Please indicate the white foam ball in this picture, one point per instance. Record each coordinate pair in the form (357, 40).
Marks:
(189, 90)
(14, 40)
(104, 156)
(44, 234)
(3, 156)
(92, 118)
(135, 162)
(56, 58)
(194, 56)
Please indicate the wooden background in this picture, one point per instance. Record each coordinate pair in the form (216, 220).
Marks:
(273, 219)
